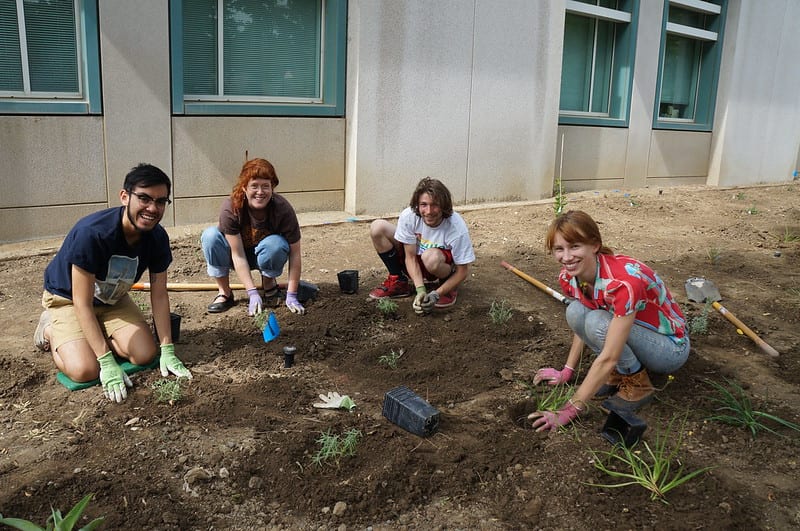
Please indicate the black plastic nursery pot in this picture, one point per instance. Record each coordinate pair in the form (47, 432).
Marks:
(623, 427)
(348, 280)
(410, 411)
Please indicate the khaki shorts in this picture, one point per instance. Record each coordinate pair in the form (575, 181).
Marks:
(65, 326)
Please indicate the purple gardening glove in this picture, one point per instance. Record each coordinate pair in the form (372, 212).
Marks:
(293, 304)
(255, 302)
(547, 420)
(553, 376)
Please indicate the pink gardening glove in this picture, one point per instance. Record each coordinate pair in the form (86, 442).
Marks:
(547, 420)
(552, 376)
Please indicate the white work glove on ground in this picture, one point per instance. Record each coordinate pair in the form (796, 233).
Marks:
(335, 401)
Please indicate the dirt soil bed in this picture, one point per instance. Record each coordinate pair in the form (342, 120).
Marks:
(236, 452)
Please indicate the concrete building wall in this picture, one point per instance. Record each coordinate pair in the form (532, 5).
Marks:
(459, 91)
(757, 122)
(134, 59)
(308, 155)
(463, 90)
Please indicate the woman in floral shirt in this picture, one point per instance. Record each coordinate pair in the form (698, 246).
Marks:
(621, 310)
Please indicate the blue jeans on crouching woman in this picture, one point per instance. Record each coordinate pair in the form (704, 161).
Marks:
(269, 256)
(657, 352)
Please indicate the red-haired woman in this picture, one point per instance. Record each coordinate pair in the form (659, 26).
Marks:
(257, 229)
(621, 310)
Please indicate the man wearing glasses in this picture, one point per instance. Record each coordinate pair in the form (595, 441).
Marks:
(88, 315)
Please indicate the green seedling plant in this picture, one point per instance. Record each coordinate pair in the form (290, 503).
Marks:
(652, 468)
(559, 198)
(499, 312)
(788, 236)
(333, 447)
(57, 522)
(736, 409)
(552, 398)
(166, 390)
(698, 325)
(752, 210)
(392, 359)
(260, 320)
(740, 196)
(714, 255)
(387, 306)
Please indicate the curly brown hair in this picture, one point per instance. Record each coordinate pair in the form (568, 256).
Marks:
(438, 192)
(252, 169)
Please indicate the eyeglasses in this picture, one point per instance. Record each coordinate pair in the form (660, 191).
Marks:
(146, 200)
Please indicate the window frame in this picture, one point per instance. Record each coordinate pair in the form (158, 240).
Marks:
(626, 18)
(708, 77)
(332, 80)
(88, 100)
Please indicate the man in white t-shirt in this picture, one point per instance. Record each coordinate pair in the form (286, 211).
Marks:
(429, 244)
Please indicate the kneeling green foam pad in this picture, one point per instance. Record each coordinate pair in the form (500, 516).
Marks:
(124, 364)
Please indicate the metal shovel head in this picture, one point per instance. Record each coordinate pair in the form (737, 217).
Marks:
(701, 290)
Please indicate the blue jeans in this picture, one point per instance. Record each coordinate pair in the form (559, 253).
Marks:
(269, 256)
(657, 352)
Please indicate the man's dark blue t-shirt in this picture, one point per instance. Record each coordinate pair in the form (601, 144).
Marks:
(97, 244)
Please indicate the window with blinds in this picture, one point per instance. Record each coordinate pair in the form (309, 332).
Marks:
(43, 67)
(262, 56)
(597, 61)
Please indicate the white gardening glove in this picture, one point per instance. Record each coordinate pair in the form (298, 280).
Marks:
(335, 401)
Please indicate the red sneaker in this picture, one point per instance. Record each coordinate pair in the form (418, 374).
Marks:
(447, 300)
(393, 288)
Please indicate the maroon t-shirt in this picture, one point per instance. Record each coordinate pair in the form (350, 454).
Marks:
(281, 219)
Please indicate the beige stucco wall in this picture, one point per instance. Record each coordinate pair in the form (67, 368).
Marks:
(52, 172)
(308, 155)
(757, 120)
(463, 90)
(459, 91)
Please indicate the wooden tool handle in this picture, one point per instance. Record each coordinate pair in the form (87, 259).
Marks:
(550, 291)
(190, 286)
(749, 333)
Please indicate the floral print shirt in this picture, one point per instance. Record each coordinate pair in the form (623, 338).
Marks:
(624, 286)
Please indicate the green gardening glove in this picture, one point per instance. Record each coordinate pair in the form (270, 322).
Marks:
(418, 298)
(113, 378)
(171, 364)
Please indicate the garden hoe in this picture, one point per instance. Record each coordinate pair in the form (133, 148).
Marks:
(550, 291)
(703, 290)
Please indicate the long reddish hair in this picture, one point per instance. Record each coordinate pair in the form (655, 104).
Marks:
(576, 226)
(252, 169)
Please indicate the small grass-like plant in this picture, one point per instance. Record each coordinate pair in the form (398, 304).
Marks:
(714, 255)
(549, 397)
(500, 312)
(652, 468)
(260, 320)
(333, 447)
(788, 236)
(391, 359)
(752, 210)
(57, 522)
(387, 306)
(740, 196)
(166, 390)
(559, 198)
(736, 409)
(698, 324)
